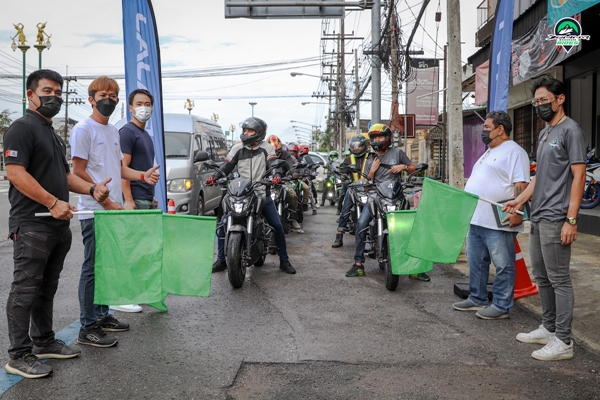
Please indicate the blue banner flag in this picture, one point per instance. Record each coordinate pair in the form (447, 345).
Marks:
(558, 9)
(142, 71)
(500, 56)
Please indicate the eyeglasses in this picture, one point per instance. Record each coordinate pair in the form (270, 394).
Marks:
(536, 102)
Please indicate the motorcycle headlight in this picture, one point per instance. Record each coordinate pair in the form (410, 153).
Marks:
(389, 205)
(338, 180)
(238, 206)
(328, 184)
(363, 198)
(180, 185)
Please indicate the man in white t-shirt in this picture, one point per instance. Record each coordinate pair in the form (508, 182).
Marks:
(96, 152)
(501, 173)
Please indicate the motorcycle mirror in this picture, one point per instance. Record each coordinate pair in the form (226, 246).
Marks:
(201, 156)
(277, 163)
(421, 167)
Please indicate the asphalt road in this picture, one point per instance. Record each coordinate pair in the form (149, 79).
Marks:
(313, 335)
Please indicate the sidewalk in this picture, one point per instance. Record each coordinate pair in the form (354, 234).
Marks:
(585, 274)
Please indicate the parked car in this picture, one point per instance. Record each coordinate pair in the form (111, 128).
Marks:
(185, 135)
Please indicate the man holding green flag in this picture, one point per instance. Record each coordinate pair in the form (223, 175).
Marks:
(502, 172)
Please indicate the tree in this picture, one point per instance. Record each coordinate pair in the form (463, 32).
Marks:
(5, 120)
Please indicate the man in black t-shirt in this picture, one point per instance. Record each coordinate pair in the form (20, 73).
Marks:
(40, 180)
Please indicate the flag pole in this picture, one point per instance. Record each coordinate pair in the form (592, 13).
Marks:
(47, 214)
(498, 204)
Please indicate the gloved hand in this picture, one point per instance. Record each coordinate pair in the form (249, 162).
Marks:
(276, 180)
(211, 180)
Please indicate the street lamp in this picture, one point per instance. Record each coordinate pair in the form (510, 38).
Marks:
(313, 102)
(295, 74)
(252, 104)
(42, 43)
(23, 47)
(189, 105)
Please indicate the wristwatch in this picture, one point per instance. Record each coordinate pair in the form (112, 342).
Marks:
(572, 221)
(92, 190)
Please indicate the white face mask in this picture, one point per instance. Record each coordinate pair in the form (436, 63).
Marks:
(142, 114)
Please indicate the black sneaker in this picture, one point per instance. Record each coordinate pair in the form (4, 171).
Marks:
(111, 324)
(339, 241)
(286, 267)
(96, 337)
(58, 349)
(356, 270)
(338, 212)
(28, 366)
(219, 266)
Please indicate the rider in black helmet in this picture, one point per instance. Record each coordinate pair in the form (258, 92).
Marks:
(251, 157)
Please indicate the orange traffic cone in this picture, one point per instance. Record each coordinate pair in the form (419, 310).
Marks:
(171, 208)
(523, 285)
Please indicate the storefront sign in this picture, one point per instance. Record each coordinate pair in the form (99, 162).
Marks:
(558, 9)
(423, 96)
(533, 53)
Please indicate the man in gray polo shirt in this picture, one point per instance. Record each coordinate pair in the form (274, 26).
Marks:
(557, 189)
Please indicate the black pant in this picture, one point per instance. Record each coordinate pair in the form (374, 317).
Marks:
(38, 262)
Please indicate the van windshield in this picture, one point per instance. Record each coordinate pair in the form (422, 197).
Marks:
(177, 144)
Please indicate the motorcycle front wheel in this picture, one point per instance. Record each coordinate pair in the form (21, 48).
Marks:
(236, 270)
(591, 197)
(391, 280)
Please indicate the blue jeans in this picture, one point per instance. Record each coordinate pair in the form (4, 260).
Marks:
(550, 263)
(485, 245)
(345, 213)
(38, 261)
(272, 217)
(88, 311)
(361, 234)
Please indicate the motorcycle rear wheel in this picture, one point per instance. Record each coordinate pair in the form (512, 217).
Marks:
(391, 280)
(236, 270)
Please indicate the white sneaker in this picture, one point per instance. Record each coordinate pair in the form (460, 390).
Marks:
(295, 224)
(540, 336)
(127, 308)
(556, 349)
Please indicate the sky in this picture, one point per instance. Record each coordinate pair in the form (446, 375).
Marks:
(194, 35)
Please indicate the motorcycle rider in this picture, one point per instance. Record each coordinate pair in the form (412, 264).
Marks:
(385, 166)
(332, 164)
(251, 157)
(290, 162)
(297, 151)
(357, 157)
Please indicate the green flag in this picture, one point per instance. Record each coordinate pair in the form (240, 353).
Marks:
(400, 225)
(144, 255)
(441, 222)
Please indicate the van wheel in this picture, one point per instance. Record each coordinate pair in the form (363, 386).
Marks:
(200, 208)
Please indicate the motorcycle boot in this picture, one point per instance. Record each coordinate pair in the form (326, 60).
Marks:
(286, 267)
(339, 240)
(356, 270)
(219, 266)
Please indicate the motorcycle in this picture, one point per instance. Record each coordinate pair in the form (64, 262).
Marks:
(333, 187)
(358, 196)
(591, 190)
(247, 234)
(389, 196)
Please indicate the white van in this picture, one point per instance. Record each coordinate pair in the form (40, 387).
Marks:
(185, 135)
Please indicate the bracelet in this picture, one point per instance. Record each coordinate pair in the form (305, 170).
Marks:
(53, 204)
(142, 178)
(92, 190)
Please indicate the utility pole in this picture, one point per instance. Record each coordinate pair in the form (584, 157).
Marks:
(342, 87)
(67, 93)
(357, 92)
(454, 99)
(376, 68)
(444, 148)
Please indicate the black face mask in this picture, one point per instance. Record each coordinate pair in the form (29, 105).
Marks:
(106, 106)
(49, 105)
(485, 137)
(545, 112)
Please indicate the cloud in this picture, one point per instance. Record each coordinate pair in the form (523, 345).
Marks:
(170, 39)
(101, 38)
